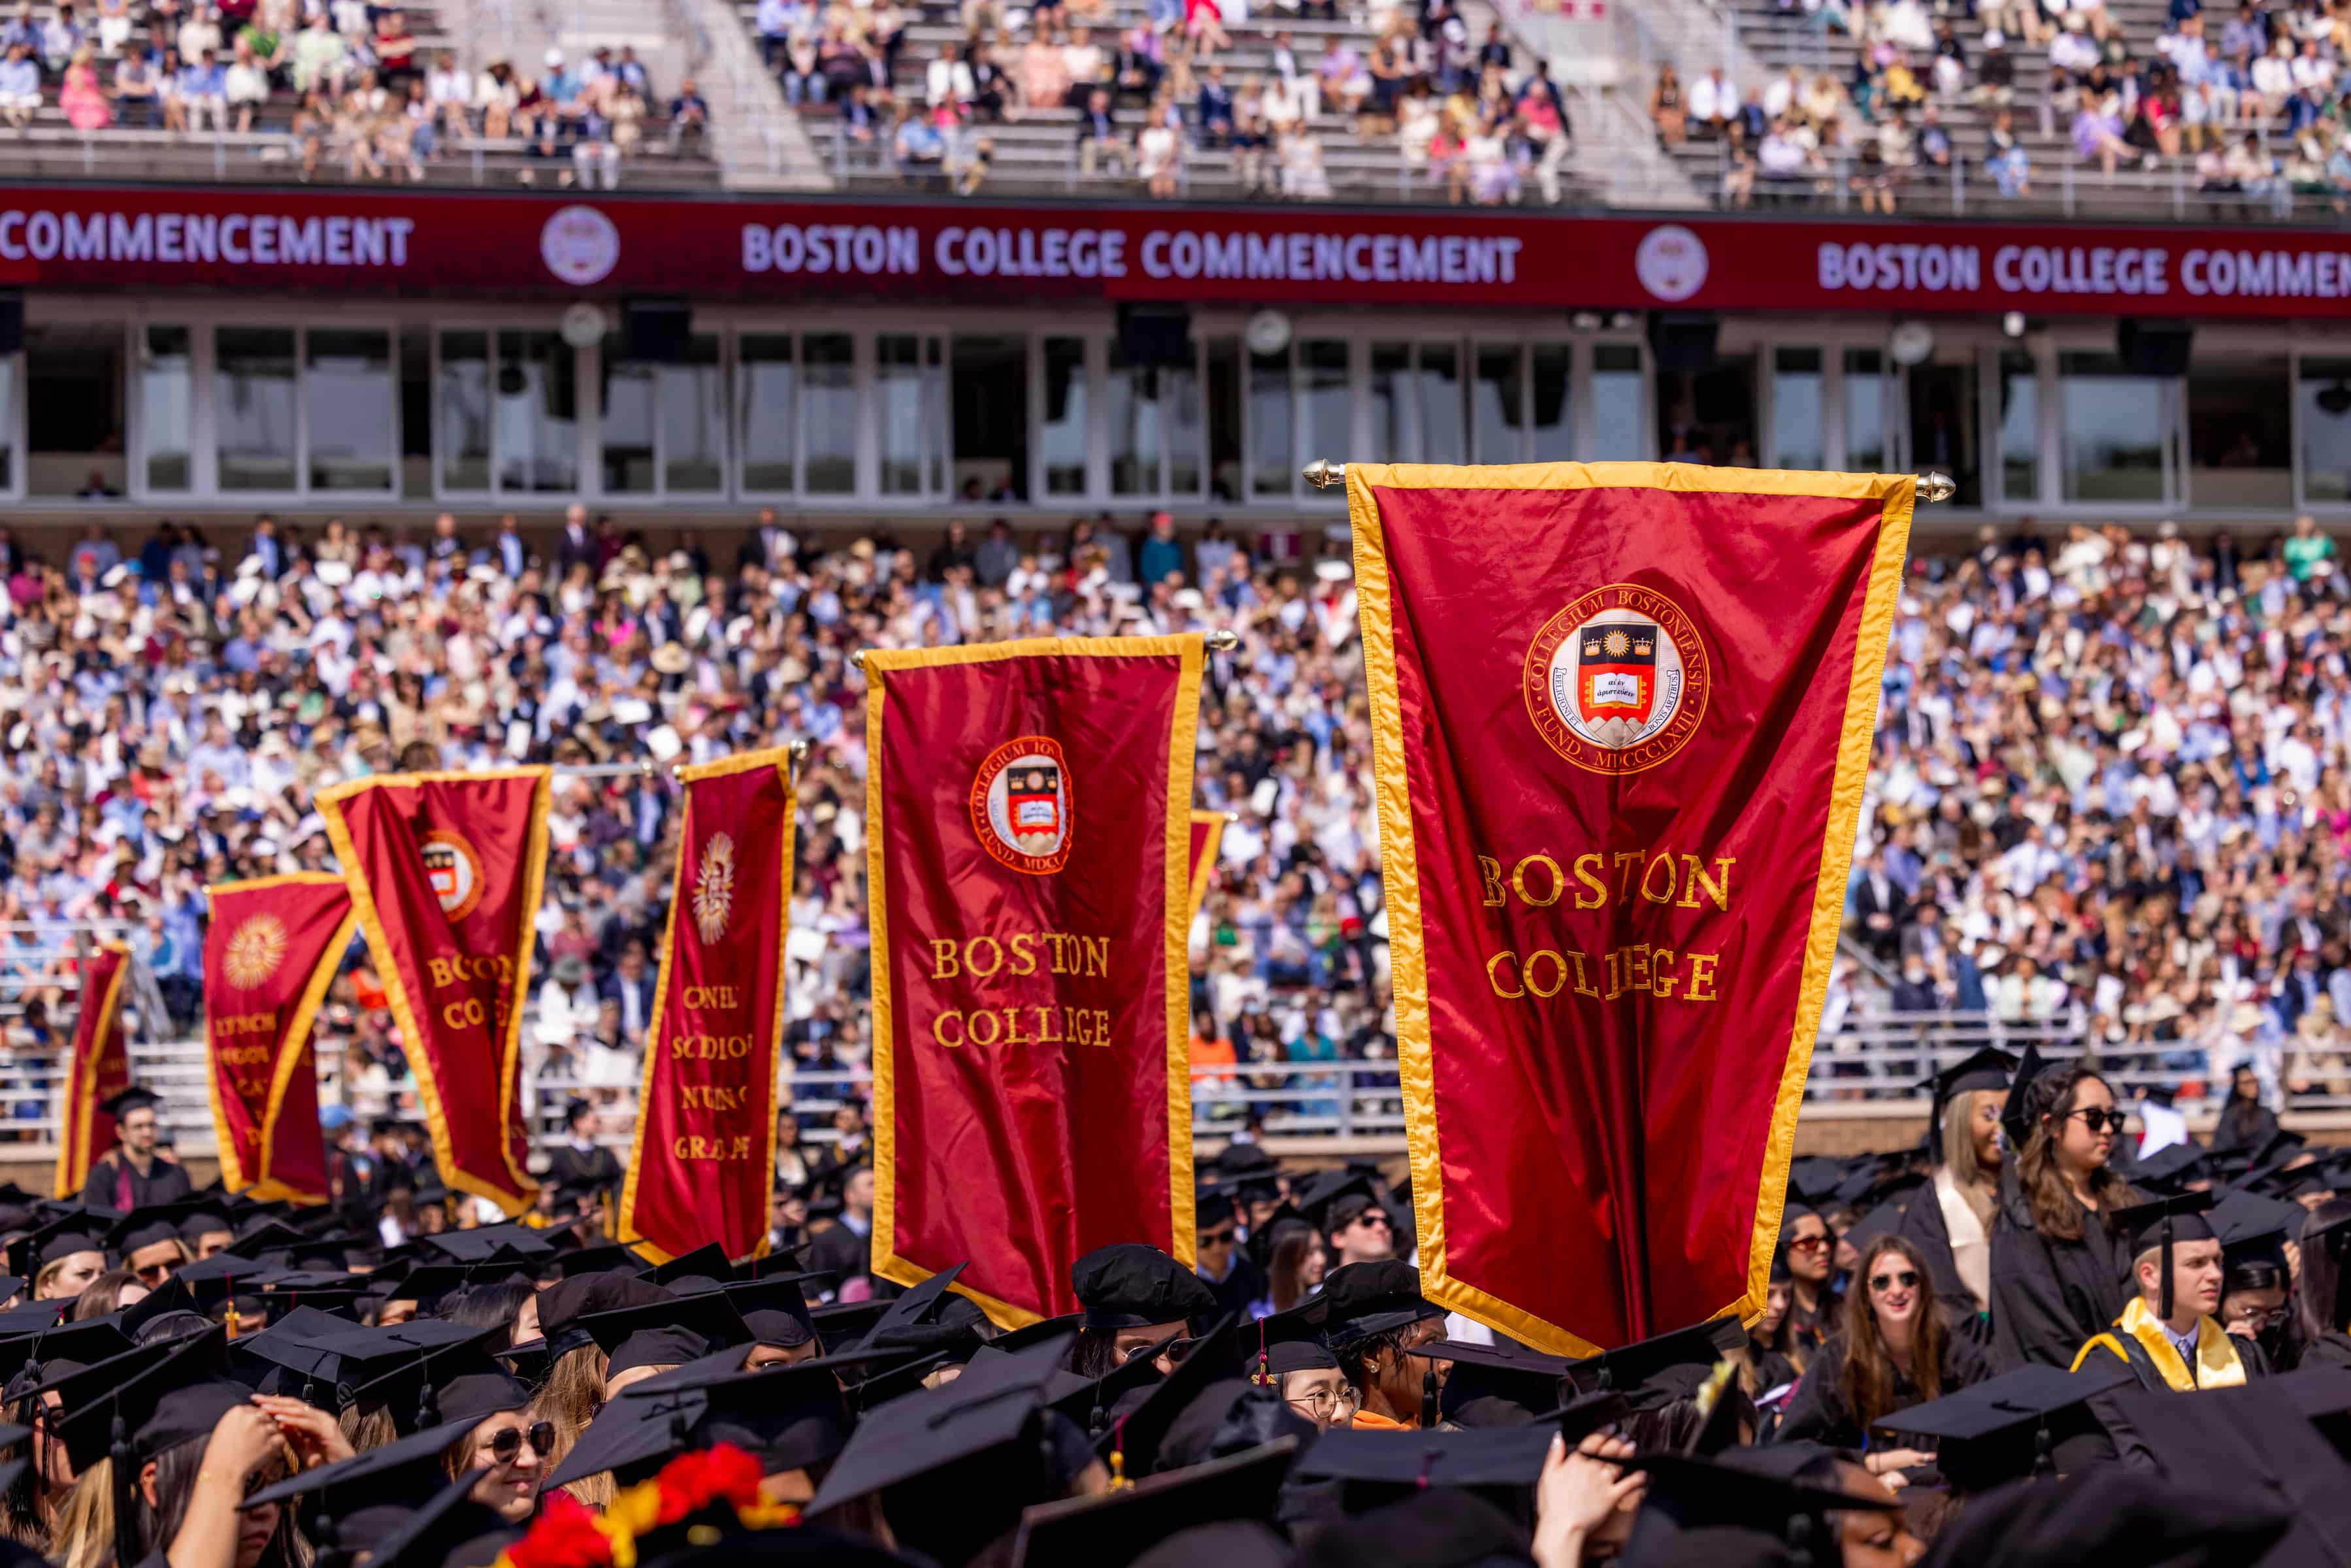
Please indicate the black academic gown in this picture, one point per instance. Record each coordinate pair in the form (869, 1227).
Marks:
(2049, 1298)
(2326, 1350)
(163, 1183)
(1923, 1227)
(1820, 1414)
(839, 1250)
(598, 1170)
(2100, 1353)
(1245, 1283)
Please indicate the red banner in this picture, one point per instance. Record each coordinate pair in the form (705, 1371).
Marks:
(445, 870)
(705, 1158)
(1029, 823)
(1622, 717)
(1207, 832)
(99, 1070)
(432, 242)
(270, 953)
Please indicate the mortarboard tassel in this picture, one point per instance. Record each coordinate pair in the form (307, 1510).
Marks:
(1118, 1482)
(118, 1451)
(230, 1319)
(2045, 1453)
(1263, 1377)
(2165, 1260)
(428, 1407)
(328, 1553)
(1428, 1457)
(1428, 1395)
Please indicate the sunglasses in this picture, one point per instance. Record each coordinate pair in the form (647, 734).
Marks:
(155, 1273)
(507, 1445)
(2099, 1121)
(1810, 1244)
(1223, 1237)
(1907, 1278)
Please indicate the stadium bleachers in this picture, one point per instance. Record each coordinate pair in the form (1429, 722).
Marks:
(1776, 38)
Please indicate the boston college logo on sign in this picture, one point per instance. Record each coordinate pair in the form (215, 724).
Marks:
(454, 872)
(1021, 805)
(1617, 682)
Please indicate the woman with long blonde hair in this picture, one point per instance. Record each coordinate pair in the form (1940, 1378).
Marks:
(1950, 1222)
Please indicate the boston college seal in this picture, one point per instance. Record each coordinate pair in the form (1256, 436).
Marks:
(1021, 805)
(1617, 682)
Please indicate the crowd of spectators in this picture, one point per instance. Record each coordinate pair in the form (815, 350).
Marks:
(2243, 100)
(2109, 794)
(347, 84)
(1153, 96)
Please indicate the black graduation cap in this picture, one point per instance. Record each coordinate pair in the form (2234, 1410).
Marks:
(1290, 1341)
(452, 1530)
(992, 1405)
(1376, 1465)
(2025, 1106)
(487, 1242)
(135, 1098)
(343, 1358)
(1987, 1068)
(846, 1322)
(268, 1235)
(1698, 1509)
(146, 1226)
(449, 1382)
(676, 1329)
(607, 1259)
(430, 1285)
(775, 1310)
(631, 1436)
(563, 1304)
(2008, 1428)
(358, 1503)
(1815, 1178)
(1111, 1529)
(707, 1262)
(204, 1218)
(1089, 1400)
(158, 1396)
(79, 1231)
(29, 1360)
(2160, 1225)
(1334, 1198)
(2251, 1441)
(1361, 1299)
(164, 1313)
(2118, 1514)
(1128, 1285)
(1131, 1443)
(1496, 1385)
(1883, 1220)
(790, 1417)
(2170, 1168)
(1029, 1333)
(2250, 1225)
(1669, 1367)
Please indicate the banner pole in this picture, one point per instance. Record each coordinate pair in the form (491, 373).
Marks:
(1934, 486)
(1218, 642)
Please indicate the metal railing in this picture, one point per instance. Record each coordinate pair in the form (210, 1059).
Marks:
(1870, 1068)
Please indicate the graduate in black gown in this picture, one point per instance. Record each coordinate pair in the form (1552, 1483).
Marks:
(2060, 1272)
(1950, 1222)
(133, 1173)
(2322, 1306)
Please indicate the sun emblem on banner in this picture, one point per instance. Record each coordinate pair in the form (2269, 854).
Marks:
(255, 948)
(713, 887)
(1617, 682)
(454, 871)
(1021, 806)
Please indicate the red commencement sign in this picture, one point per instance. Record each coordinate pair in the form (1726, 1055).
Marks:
(412, 241)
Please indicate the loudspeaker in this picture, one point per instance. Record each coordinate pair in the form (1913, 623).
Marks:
(2151, 347)
(1155, 336)
(12, 320)
(657, 328)
(1682, 341)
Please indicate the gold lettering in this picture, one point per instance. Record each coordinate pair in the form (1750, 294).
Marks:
(1097, 955)
(939, 1029)
(1625, 861)
(1583, 984)
(1660, 981)
(725, 998)
(1489, 876)
(1636, 967)
(1649, 876)
(995, 1030)
(1024, 957)
(1702, 976)
(971, 956)
(1519, 879)
(1557, 963)
(1585, 865)
(1012, 1035)
(942, 959)
(1496, 980)
(1694, 877)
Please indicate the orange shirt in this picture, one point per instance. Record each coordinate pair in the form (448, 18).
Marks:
(1371, 1421)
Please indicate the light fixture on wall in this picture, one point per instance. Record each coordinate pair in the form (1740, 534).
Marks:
(1267, 333)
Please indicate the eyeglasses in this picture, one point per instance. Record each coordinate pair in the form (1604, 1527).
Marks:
(2255, 1317)
(1326, 1404)
(155, 1273)
(1223, 1237)
(1907, 1278)
(506, 1445)
(2099, 1120)
(1810, 1244)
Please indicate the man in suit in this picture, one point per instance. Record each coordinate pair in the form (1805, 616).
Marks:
(1881, 909)
(631, 984)
(578, 547)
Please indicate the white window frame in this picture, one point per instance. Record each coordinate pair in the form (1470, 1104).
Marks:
(727, 487)
(588, 385)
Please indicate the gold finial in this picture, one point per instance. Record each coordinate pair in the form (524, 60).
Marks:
(1935, 486)
(1323, 473)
